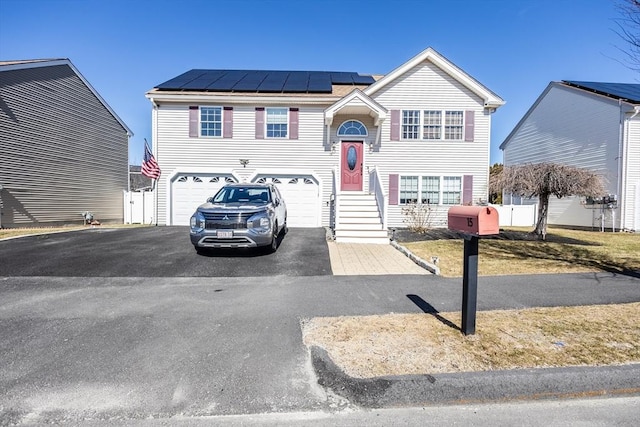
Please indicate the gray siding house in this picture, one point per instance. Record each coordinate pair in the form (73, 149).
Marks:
(63, 150)
(349, 151)
(592, 125)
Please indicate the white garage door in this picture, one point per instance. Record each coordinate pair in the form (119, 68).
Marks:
(189, 191)
(302, 195)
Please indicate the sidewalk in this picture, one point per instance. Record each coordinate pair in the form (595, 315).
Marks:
(350, 259)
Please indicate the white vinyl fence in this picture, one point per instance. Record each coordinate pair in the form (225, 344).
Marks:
(138, 207)
(516, 215)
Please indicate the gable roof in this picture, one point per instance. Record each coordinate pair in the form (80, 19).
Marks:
(491, 100)
(629, 92)
(368, 106)
(38, 63)
(625, 92)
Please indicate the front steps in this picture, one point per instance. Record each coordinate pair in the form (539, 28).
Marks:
(359, 220)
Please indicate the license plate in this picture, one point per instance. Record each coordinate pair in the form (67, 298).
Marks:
(225, 234)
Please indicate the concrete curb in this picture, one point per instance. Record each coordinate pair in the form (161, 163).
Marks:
(466, 387)
(413, 257)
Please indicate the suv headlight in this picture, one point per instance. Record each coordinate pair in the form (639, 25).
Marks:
(260, 223)
(197, 221)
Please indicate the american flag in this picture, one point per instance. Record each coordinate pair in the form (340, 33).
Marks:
(150, 167)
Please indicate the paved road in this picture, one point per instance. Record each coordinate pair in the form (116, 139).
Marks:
(113, 335)
(137, 347)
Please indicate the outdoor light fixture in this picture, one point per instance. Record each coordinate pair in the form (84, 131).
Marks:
(244, 162)
(333, 146)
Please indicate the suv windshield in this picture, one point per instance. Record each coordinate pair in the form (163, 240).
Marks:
(255, 195)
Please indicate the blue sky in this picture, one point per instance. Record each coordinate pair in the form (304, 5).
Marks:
(126, 47)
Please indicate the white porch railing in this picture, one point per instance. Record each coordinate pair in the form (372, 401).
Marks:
(376, 188)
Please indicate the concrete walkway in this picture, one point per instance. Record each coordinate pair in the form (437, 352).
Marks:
(350, 259)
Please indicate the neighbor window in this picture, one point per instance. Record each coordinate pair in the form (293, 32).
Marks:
(433, 190)
(277, 122)
(210, 121)
(433, 126)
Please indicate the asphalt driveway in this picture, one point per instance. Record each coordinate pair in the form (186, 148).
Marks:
(158, 252)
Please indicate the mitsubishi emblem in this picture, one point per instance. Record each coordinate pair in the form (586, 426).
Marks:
(225, 217)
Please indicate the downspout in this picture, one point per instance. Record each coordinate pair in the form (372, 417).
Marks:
(623, 161)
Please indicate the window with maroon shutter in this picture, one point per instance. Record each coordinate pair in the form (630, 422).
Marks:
(293, 123)
(393, 189)
(259, 122)
(469, 124)
(227, 128)
(194, 111)
(395, 125)
(467, 190)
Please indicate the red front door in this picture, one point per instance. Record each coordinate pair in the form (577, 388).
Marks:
(351, 166)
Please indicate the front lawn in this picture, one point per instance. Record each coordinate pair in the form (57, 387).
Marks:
(516, 252)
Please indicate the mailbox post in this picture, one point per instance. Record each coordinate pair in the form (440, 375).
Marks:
(472, 222)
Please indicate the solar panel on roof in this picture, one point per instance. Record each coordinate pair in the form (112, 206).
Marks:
(319, 82)
(274, 82)
(250, 82)
(362, 80)
(263, 81)
(228, 80)
(297, 81)
(341, 78)
(625, 91)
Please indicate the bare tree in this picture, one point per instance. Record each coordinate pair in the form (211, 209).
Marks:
(495, 197)
(542, 180)
(628, 28)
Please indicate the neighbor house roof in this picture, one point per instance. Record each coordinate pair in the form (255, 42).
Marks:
(629, 92)
(14, 65)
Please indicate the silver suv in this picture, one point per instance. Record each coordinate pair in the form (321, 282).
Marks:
(240, 216)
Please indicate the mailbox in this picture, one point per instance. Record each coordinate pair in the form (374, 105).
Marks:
(476, 220)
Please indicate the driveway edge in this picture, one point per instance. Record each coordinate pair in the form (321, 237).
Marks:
(413, 257)
(466, 387)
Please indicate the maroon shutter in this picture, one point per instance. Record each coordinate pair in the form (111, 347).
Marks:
(393, 189)
(395, 125)
(227, 126)
(469, 124)
(259, 122)
(194, 132)
(293, 123)
(467, 190)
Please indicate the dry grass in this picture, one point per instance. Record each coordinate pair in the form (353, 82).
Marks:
(399, 344)
(565, 251)
(17, 232)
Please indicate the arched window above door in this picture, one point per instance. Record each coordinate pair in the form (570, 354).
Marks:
(351, 128)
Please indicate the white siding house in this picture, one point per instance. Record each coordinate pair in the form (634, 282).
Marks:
(593, 126)
(63, 150)
(347, 151)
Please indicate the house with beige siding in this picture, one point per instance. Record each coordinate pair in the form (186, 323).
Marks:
(63, 150)
(347, 150)
(591, 125)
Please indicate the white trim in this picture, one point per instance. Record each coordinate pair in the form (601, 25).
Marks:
(491, 100)
(379, 112)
